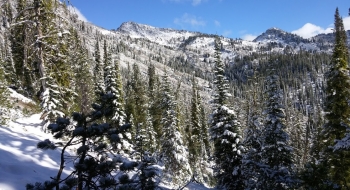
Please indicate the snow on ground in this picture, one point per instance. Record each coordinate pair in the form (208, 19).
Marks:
(162, 36)
(19, 97)
(20, 161)
(190, 186)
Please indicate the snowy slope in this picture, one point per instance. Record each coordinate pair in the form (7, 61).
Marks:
(162, 36)
(21, 162)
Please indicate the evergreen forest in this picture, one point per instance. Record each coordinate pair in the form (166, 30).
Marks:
(129, 112)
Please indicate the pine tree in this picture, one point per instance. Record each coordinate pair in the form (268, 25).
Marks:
(129, 104)
(136, 106)
(154, 102)
(50, 101)
(173, 152)
(98, 73)
(113, 87)
(39, 7)
(62, 68)
(50, 58)
(4, 95)
(138, 96)
(225, 131)
(315, 173)
(204, 131)
(151, 144)
(95, 163)
(337, 108)
(195, 147)
(18, 40)
(7, 58)
(40, 56)
(277, 167)
(9, 69)
(107, 61)
(252, 142)
(83, 79)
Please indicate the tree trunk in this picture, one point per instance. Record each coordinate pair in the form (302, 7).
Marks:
(39, 45)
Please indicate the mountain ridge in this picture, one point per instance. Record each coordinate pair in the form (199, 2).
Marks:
(181, 38)
(274, 33)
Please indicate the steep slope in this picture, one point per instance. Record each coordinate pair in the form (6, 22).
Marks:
(21, 162)
(162, 36)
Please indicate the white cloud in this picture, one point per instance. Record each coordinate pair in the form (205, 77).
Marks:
(243, 31)
(188, 19)
(226, 33)
(310, 30)
(194, 2)
(346, 21)
(76, 11)
(248, 37)
(177, 1)
(217, 23)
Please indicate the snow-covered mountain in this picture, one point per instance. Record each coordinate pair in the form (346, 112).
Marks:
(163, 36)
(182, 38)
(181, 53)
(278, 35)
(327, 39)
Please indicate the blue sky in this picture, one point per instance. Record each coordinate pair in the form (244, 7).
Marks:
(231, 18)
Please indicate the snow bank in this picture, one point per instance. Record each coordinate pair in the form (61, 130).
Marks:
(21, 162)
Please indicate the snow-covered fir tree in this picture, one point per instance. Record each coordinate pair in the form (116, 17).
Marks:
(145, 137)
(98, 72)
(138, 97)
(277, 167)
(21, 40)
(195, 139)
(335, 135)
(196, 147)
(207, 149)
(129, 104)
(173, 151)
(225, 131)
(154, 102)
(95, 162)
(47, 55)
(113, 87)
(83, 80)
(252, 142)
(151, 144)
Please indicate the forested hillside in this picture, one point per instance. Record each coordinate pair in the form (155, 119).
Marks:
(146, 107)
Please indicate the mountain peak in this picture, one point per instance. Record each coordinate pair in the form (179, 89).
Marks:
(126, 27)
(159, 35)
(275, 29)
(276, 34)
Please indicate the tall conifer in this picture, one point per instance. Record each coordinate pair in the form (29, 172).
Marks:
(337, 110)
(98, 73)
(277, 167)
(225, 131)
(173, 151)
